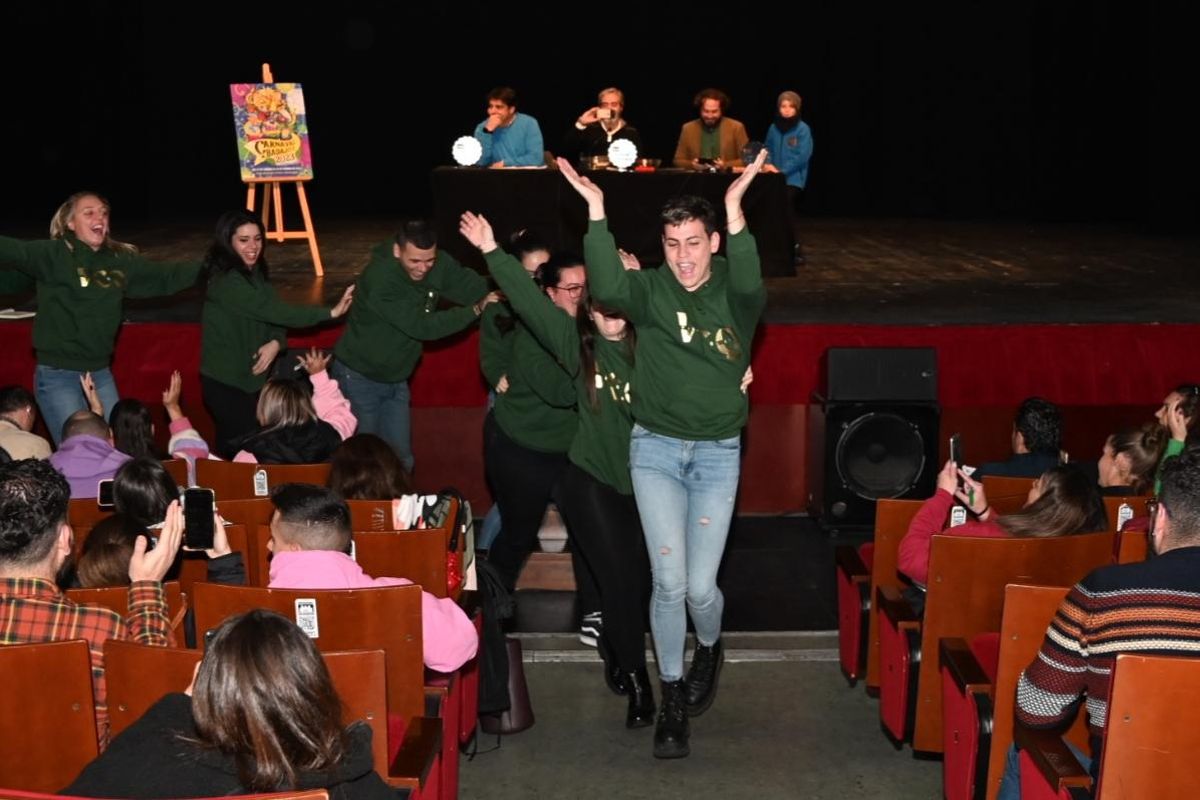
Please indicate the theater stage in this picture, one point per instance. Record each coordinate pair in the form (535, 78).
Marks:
(1100, 320)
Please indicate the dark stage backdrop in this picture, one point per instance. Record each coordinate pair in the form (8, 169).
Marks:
(1018, 109)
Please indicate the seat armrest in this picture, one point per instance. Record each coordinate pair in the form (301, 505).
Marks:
(965, 671)
(850, 562)
(1053, 759)
(895, 608)
(419, 753)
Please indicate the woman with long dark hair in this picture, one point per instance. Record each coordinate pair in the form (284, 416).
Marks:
(365, 467)
(83, 276)
(244, 326)
(261, 715)
(1063, 501)
(595, 492)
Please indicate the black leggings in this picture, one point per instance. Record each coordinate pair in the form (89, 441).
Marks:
(233, 411)
(523, 483)
(605, 525)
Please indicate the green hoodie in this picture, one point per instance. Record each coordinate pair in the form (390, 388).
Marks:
(693, 347)
(79, 295)
(241, 314)
(393, 314)
(601, 443)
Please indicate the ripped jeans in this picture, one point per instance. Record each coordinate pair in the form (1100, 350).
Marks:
(685, 493)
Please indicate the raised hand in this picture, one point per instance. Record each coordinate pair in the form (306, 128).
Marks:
(747, 379)
(90, 394)
(343, 305)
(587, 190)
(733, 195)
(314, 361)
(477, 230)
(153, 565)
(170, 397)
(629, 260)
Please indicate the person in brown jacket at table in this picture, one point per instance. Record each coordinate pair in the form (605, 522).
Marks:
(714, 140)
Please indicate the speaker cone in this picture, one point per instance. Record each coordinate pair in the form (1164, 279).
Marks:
(880, 455)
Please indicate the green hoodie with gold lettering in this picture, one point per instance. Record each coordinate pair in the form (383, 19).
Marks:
(80, 292)
(693, 347)
(393, 314)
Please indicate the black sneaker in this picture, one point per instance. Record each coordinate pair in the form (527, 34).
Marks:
(702, 677)
(671, 730)
(590, 629)
(612, 671)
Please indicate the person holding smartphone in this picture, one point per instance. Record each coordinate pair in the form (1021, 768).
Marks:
(600, 126)
(714, 140)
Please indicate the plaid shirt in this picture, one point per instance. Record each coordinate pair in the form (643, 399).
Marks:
(34, 610)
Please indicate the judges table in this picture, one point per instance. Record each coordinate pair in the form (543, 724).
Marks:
(543, 201)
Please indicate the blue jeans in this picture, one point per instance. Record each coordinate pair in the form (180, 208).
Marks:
(1010, 783)
(685, 493)
(59, 394)
(381, 409)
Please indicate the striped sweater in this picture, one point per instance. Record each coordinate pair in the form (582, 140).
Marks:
(1152, 607)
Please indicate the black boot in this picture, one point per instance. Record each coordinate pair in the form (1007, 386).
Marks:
(671, 730)
(641, 699)
(702, 677)
(613, 676)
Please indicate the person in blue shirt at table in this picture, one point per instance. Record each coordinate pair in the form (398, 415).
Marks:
(509, 139)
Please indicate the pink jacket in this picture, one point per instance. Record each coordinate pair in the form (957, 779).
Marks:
(330, 406)
(450, 638)
(913, 558)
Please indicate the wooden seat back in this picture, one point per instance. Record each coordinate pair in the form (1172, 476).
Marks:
(47, 714)
(139, 675)
(117, 599)
(386, 618)
(1152, 732)
(231, 480)
(891, 523)
(1028, 610)
(965, 597)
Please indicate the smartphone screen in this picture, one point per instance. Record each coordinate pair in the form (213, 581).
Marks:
(104, 493)
(198, 518)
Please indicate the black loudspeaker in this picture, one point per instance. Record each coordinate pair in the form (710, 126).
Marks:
(873, 432)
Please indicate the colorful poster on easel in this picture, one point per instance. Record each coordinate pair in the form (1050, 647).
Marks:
(272, 131)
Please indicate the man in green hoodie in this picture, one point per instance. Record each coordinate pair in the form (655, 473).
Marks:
(695, 317)
(395, 310)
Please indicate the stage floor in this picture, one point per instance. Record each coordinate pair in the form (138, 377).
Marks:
(888, 272)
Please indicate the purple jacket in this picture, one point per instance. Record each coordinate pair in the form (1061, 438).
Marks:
(450, 639)
(85, 461)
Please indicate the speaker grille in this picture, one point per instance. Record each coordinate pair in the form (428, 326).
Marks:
(880, 455)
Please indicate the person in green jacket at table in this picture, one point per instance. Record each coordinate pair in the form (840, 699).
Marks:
(244, 326)
(595, 494)
(82, 276)
(395, 312)
(696, 317)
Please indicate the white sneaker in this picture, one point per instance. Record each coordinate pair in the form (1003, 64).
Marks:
(590, 628)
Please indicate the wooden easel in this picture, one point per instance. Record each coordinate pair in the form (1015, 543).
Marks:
(271, 190)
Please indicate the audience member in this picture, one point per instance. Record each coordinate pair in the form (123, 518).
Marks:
(1147, 608)
(86, 455)
(310, 534)
(1036, 442)
(261, 715)
(18, 413)
(1062, 501)
(297, 429)
(35, 544)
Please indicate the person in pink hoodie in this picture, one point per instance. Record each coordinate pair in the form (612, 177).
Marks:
(310, 534)
(296, 429)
